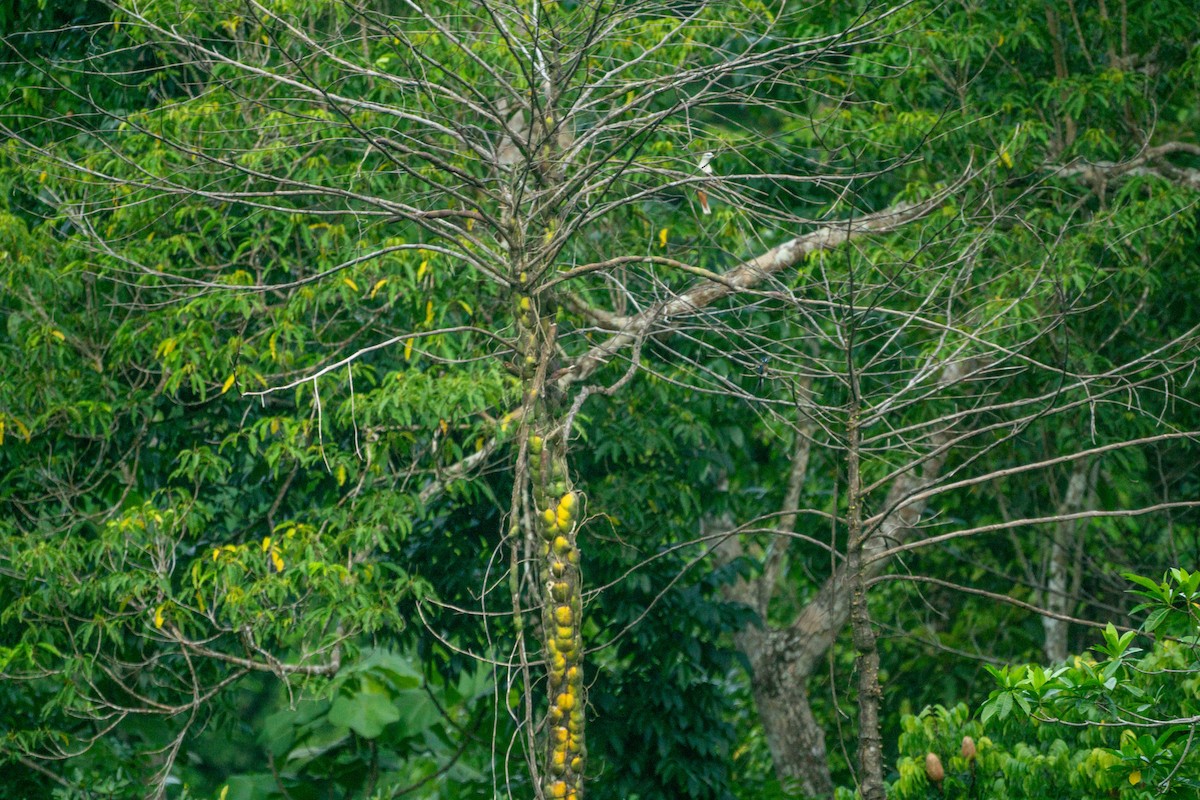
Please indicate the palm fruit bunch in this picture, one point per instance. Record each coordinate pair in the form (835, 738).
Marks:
(557, 516)
(523, 311)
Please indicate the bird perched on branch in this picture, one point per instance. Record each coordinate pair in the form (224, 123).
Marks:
(705, 167)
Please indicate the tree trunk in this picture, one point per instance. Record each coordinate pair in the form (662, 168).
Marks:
(783, 658)
(796, 741)
(1059, 566)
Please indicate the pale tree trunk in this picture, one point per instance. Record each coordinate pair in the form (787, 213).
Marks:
(796, 741)
(1060, 565)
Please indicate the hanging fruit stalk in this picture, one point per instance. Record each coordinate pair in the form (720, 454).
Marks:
(556, 514)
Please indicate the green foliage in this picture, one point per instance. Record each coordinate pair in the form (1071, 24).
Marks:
(1137, 707)
(178, 233)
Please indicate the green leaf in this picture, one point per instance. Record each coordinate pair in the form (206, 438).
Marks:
(366, 712)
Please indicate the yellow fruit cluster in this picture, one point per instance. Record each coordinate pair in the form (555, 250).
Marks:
(557, 520)
(525, 313)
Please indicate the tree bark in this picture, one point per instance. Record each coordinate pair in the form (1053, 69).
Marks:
(870, 743)
(1058, 599)
(796, 740)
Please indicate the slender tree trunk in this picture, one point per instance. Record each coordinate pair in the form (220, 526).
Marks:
(870, 742)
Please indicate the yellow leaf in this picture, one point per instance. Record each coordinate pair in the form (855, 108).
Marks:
(465, 307)
(350, 283)
(277, 560)
(421, 270)
(1006, 159)
(408, 349)
(470, 224)
(225, 789)
(166, 347)
(1135, 777)
(341, 475)
(378, 285)
(1, 431)
(159, 619)
(42, 177)
(444, 426)
(662, 237)
(227, 384)
(266, 543)
(271, 346)
(428, 312)
(58, 335)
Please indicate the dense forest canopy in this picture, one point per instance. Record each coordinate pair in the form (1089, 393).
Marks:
(535, 398)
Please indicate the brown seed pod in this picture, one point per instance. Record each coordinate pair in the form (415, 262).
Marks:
(933, 769)
(968, 748)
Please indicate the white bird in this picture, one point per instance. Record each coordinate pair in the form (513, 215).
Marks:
(705, 167)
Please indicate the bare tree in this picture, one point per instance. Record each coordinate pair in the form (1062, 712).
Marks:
(520, 142)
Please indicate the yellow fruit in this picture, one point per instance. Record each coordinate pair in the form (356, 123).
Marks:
(563, 616)
(566, 701)
(576, 764)
(556, 715)
(559, 590)
(558, 789)
(562, 547)
(524, 304)
(573, 673)
(558, 568)
(559, 735)
(549, 518)
(568, 501)
(563, 518)
(535, 444)
(572, 556)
